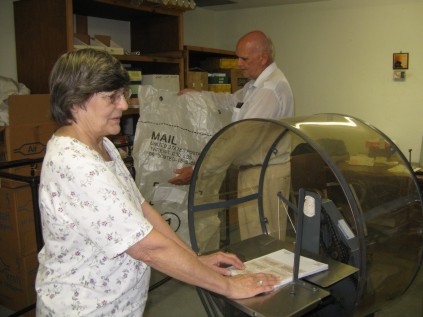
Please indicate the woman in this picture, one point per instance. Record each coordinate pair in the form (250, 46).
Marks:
(100, 235)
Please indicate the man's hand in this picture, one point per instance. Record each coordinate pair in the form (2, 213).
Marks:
(185, 91)
(183, 177)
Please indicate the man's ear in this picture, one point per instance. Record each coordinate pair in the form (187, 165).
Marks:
(264, 59)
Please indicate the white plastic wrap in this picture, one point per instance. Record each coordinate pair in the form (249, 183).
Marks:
(171, 132)
(9, 87)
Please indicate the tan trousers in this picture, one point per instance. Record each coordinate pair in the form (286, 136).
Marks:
(277, 179)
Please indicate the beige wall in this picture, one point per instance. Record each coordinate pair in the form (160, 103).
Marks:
(337, 54)
(7, 40)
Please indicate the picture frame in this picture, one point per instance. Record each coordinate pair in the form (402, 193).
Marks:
(400, 61)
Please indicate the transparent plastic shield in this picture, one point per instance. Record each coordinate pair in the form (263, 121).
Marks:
(372, 214)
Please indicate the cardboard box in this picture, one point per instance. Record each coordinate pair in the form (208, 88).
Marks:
(17, 227)
(98, 42)
(220, 87)
(197, 80)
(28, 109)
(17, 281)
(30, 127)
(160, 81)
(237, 79)
(212, 64)
(25, 141)
(218, 78)
(135, 76)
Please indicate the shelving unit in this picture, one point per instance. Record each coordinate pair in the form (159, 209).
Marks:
(44, 30)
(195, 55)
(197, 59)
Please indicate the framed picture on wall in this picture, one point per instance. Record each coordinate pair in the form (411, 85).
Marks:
(400, 61)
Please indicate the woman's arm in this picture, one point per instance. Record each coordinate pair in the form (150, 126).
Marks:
(213, 261)
(167, 256)
(162, 226)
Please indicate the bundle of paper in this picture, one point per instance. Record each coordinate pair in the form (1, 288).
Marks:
(280, 263)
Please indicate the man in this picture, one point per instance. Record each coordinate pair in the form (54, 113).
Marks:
(267, 95)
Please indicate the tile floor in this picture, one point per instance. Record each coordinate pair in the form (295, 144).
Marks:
(176, 299)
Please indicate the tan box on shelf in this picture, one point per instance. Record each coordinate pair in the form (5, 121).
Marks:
(220, 87)
(105, 39)
(197, 80)
(110, 46)
(162, 81)
(17, 281)
(30, 127)
(212, 64)
(237, 79)
(98, 42)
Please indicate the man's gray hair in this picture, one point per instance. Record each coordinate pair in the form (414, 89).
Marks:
(269, 48)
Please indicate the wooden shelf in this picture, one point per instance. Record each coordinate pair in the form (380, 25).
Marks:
(44, 30)
(147, 59)
(195, 55)
(131, 111)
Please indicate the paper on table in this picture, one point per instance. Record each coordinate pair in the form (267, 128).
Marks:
(280, 263)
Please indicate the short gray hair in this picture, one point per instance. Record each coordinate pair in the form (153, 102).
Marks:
(77, 75)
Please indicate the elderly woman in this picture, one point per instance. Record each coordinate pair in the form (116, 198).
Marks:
(101, 236)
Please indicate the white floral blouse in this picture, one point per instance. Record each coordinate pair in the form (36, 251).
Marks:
(91, 214)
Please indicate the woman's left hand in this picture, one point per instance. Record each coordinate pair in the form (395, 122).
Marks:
(216, 260)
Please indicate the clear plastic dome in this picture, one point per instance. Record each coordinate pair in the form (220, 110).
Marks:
(360, 174)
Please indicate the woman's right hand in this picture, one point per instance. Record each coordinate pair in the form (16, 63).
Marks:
(249, 285)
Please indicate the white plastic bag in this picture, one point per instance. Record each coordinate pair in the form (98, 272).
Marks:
(171, 132)
(9, 87)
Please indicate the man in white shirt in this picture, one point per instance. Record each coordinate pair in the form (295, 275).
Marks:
(267, 95)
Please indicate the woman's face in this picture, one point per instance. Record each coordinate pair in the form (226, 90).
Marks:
(102, 113)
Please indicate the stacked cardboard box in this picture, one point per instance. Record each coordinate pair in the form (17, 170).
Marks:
(162, 81)
(218, 78)
(197, 80)
(238, 80)
(220, 63)
(234, 78)
(30, 127)
(18, 248)
(135, 76)
(98, 42)
(219, 82)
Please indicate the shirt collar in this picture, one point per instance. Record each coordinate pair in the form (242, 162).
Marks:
(264, 74)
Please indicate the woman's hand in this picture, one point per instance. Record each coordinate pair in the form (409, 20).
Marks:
(215, 261)
(242, 285)
(249, 285)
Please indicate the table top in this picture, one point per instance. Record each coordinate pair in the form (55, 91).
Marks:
(297, 297)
